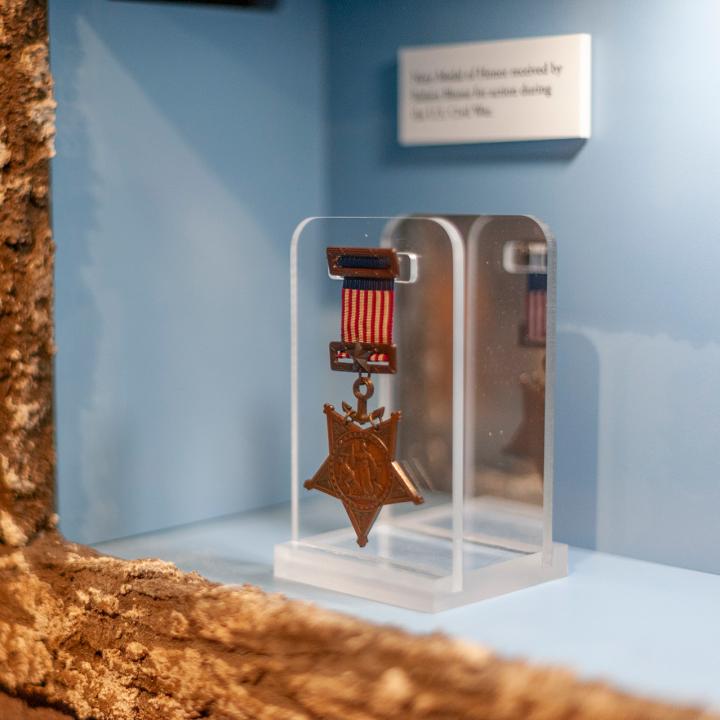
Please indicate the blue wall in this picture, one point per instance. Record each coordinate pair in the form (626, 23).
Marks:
(638, 421)
(190, 142)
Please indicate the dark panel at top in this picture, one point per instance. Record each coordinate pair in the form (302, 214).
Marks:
(255, 4)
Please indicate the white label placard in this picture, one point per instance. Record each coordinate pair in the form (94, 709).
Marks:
(527, 89)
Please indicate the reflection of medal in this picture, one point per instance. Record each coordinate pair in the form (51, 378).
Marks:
(360, 470)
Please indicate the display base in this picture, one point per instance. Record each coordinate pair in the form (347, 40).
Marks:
(408, 566)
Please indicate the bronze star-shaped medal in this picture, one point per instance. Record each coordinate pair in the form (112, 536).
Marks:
(361, 471)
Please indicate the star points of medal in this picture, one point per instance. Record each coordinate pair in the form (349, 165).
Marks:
(401, 487)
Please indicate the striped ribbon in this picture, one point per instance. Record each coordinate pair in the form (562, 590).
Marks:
(367, 312)
(536, 307)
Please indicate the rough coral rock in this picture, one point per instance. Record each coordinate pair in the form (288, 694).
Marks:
(104, 638)
(27, 128)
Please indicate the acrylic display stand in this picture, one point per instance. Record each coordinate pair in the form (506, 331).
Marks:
(475, 336)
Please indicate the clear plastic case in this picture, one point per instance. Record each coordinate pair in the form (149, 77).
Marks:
(475, 336)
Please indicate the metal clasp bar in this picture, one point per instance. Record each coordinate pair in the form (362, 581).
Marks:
(402, 265)
(377, 358)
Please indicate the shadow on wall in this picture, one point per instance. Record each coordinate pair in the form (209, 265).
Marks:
(171, 246)
(244, 4)
(78, 319)
(576, 440)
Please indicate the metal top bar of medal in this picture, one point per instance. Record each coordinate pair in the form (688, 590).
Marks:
(368, 293)
(375, 263)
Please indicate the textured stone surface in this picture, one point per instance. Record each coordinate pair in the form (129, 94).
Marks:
(16, 709)
(26, 262)
(106, 638)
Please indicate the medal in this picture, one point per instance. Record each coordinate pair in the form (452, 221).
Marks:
(361, 470)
